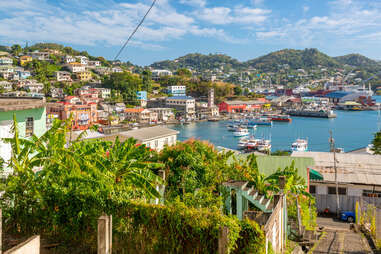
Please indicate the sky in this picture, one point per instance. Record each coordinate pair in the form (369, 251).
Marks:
(243, 29)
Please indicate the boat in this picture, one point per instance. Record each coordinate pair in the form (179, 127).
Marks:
(321, 113)
(264, 145)
(281, 118)
(240, 132)
(242, 143)
(261, 121)
(232, 127)
(300, 145)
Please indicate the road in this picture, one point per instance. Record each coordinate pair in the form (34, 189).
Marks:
(340, 239)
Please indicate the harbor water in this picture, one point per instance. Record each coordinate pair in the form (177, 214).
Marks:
(351, 130)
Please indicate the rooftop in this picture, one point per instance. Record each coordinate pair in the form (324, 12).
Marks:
(20, 103)
(244, 102)
(181, 98)
(352, 168)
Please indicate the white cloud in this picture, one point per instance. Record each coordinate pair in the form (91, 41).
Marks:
(24, 22)
(270, 34)
(240, 15)
(306, 8)
(195, 3)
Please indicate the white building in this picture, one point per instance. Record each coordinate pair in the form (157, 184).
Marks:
(42, 56)
(62, 75)
(156, 137)
(69, 59)
(116, 70)
(183, 104)
(163, 114)
(177, 90)
(93, 63)
(6, 61)
(156, 74)
(82, 60)
(76, 67)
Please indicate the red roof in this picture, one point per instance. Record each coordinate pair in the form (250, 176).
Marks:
(133, 110)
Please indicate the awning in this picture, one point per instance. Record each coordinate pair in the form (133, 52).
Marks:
(315, 175)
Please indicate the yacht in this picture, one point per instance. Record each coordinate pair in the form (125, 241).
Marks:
(300, 145)
(240, 132)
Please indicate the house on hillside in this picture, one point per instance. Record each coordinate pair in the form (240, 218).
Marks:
(25, 59)
(63, 76)
(6, 61)
(76, 67)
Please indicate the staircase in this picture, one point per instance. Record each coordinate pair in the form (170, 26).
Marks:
(245, 194)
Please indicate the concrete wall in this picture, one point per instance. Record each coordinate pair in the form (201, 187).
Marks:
(30, 246)
(275, 228)
(159, 143)
(347, 203)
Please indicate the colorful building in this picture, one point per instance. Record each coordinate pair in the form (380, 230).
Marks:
(31, 118)
(241, 106)
(84, 75)
(83, 114)
(25, 59)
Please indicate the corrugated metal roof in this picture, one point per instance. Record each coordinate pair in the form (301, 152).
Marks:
(270, 164)
(351, 168)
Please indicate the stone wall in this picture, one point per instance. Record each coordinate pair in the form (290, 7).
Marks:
(30, 246)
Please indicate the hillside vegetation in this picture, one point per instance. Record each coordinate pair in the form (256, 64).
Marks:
(295, 59)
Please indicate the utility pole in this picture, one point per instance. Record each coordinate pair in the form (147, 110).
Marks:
(333, 149)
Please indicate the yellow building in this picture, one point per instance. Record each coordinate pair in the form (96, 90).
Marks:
(84, 75)
(25, 59)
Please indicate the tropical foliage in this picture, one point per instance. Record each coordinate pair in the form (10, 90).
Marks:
(377, 143)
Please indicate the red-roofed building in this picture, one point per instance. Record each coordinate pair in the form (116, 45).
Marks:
(83, 114)
(241, 106)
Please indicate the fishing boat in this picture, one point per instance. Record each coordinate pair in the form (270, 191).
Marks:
(261, 121)
(281, 118)
(240, 132)
(232, 127)
(251, 125)
(300, 145)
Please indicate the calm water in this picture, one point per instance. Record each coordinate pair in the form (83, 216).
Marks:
(351, 130)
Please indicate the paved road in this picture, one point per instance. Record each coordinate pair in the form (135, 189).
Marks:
(339, 239)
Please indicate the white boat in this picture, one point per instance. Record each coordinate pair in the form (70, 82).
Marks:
(242, 143)
(264, 145)
(240, 132)
(300, 145)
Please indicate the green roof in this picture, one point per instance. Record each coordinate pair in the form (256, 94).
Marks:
(270, 164)
(315, 175)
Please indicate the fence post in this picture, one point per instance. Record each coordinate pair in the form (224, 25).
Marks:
(378, 224)
(223, 240)
(1, 230)
(105, 234)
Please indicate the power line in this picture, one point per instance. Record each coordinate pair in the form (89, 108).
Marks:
(132, 34)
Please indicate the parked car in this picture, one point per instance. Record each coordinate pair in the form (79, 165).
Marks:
(348, 216)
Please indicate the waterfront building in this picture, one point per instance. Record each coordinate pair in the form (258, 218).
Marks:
(241, 106)
(31, 118)
(185, 105)
(141, 115)
(176, 90)
(163, 114)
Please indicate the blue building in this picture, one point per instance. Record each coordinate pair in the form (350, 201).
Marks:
(177, 90)
(141, 95)
(23, 74)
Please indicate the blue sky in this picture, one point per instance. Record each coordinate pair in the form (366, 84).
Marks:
(243, 29)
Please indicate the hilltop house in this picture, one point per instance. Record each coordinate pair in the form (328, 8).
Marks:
(25, 59)
(76, 67)
(63, 76)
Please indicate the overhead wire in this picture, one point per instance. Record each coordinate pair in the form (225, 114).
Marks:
(136, 29)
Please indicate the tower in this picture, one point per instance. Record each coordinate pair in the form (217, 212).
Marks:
(211, 98)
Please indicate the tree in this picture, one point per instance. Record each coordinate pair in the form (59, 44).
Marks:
(376, 143)
(16, 49)
(147, 80)
(238, 90)
(184, 72)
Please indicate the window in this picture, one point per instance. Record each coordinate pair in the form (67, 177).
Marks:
(370, 193)
(332, 191)
(29, 126)
(312, 189)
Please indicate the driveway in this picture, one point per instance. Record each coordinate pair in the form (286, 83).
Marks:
(340, 239)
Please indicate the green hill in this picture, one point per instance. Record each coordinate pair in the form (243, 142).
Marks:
(296, 59)
(199, 62)
(359, 61)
